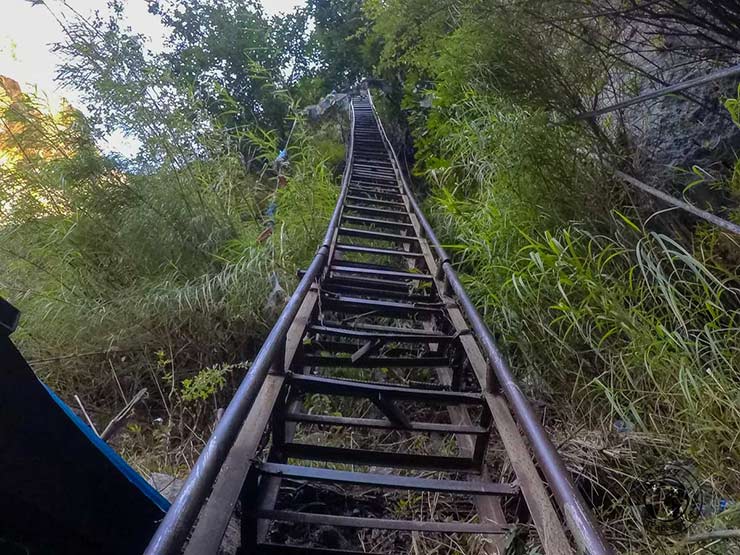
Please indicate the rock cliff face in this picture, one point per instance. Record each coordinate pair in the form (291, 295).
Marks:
(315, 111)
(670, 136)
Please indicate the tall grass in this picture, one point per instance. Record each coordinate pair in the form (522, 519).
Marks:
(635, 324)
(623, 332)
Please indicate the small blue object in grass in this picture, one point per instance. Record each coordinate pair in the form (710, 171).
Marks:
(717, 506)
(623, 426)
(271, 209)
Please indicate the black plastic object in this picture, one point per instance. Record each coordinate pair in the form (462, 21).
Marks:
(62, 489)
(9, 316)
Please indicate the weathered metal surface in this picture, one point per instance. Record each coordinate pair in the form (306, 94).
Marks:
(387, 459)
(399, 315)
(217, 513)
(579, 519)
(374, 362)
(377, 223)
(329, 386)
(365, 234)
(328, 420)
(410, 276)
(377, 251)
(282, 549)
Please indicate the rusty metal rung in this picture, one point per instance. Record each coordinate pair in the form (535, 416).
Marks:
(378, 223)
(285, 549)
(421, 427)
(376, 285)
(387, 459)
(338, 267)
(350, 305)
(382, 294)
(387, 481)
(377, 251)
(378, 235)
(375, 362)
(395, 336)
(375, 201)
(376, 211)
(391, 187)
(382, 523)
(334, 386)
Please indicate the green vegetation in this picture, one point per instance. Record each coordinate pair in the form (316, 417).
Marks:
(618, 321)
(627, 330)
(149, 272)
(152, 273)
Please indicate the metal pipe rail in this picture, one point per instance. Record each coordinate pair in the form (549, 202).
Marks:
(177, 524)
(381, 293)
(663, 91)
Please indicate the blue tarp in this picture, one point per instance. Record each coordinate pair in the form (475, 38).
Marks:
(62, 489)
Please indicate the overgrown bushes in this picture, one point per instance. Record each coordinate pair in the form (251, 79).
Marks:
(610, 323)
(154, 276)
(150, 273)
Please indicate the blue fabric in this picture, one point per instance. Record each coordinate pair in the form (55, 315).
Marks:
(122, 466)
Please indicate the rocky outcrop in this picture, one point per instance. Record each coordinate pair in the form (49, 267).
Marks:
(679, 139)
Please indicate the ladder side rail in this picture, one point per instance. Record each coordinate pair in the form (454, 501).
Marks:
(579, 518)
(172, 533)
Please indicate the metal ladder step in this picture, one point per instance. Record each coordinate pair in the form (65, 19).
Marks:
(332, 346)
(399, 332)
(374, 362)
(378, 235)
(375, 201)
(410, 276)
(381, 523)
(383, 163)
(377, 211)
(377, 285)
(348, 388)
(358, 291)
(376, 251)
(287, 549)
(361, 190)
(368, 170)
(388, 459)
(393, 336)
(387, 481)
(375, 423)
(340, 259)
(378, 223)
(389, 183)
(351, 305)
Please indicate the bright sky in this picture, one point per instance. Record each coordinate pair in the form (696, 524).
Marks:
(27, 31)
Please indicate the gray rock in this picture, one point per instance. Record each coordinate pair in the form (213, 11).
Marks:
(315, 111)
(167, 485)
(170, 488)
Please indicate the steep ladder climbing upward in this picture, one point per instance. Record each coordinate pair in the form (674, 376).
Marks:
(381, 327)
